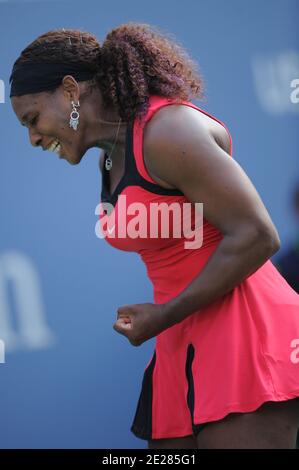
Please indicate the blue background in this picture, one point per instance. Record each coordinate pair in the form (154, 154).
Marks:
(76, 383)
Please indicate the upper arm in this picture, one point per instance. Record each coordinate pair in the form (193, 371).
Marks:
(179, 148)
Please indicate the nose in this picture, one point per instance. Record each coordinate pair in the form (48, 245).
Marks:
(35, 138)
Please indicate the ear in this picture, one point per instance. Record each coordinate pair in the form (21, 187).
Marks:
(70, 88)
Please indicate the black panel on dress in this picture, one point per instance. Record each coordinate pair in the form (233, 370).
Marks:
(142, 423)
(131, 176)
(190, 395)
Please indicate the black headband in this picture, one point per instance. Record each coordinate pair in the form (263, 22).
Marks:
(33, 77)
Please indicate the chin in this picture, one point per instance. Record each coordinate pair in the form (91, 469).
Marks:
(79, 157)
(75, 158)
(72, 160)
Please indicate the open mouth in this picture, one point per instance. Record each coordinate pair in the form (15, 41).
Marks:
(55, 146)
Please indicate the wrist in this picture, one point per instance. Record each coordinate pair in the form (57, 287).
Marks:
(178, 308)
(172, 312)
(167, 315)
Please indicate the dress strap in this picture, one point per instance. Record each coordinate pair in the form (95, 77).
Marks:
(156, 102)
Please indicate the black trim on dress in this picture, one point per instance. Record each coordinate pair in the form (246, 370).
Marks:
(131, 176)
(142, 423)
(190, 394)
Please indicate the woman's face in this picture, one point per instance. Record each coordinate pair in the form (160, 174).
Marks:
(47, 117)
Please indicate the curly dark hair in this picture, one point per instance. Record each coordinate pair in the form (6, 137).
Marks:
(135, 61)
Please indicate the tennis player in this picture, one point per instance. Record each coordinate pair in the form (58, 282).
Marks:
(225, 369)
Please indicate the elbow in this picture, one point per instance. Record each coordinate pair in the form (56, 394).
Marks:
(257, 242)
(268, 238)
(276, 243)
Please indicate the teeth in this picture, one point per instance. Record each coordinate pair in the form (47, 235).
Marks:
(58, 149)
(54, 147)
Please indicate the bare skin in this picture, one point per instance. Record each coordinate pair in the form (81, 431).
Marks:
(48, 114)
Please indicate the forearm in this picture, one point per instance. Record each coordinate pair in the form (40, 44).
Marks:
(234, 260)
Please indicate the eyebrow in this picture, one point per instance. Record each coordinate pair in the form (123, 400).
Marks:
(24, 118)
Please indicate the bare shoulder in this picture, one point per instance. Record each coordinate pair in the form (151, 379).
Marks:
(174, 125)
(183, 116)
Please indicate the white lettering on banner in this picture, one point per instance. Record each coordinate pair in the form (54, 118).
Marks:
(2, 352)
(2, 92)
(272, 75)
(32, 331)
(295, 93)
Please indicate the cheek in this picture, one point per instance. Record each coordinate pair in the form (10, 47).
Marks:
(52, 124)
(59, 119)
(63, 130)
(68, 136)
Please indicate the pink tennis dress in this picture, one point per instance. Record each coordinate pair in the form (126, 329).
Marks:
(232, 356)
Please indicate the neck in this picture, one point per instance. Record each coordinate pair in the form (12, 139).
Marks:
(104, 129)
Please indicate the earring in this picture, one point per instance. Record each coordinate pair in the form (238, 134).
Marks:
(74, 116)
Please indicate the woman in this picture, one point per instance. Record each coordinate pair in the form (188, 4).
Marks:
(225, 372)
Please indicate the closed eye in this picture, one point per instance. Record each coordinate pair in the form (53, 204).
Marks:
(33, 121)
